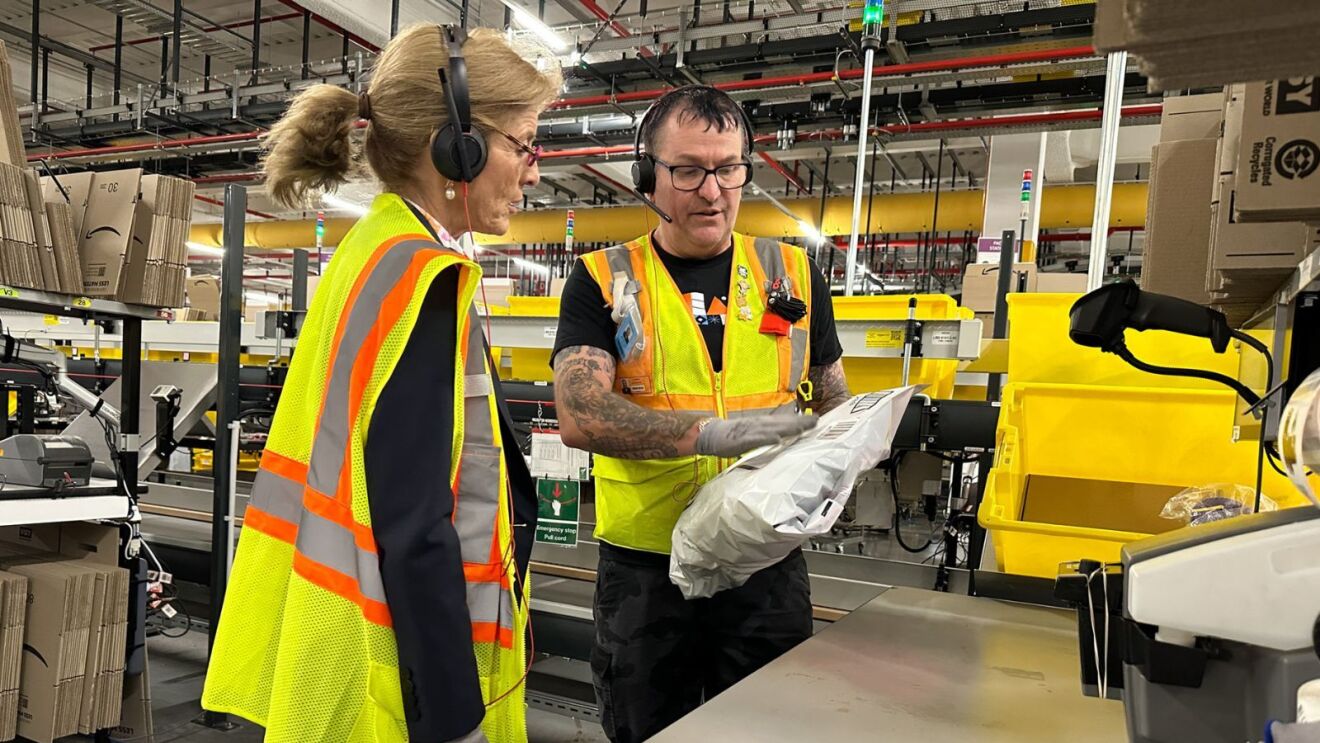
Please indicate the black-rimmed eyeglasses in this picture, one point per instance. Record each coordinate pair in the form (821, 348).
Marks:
(691, 177)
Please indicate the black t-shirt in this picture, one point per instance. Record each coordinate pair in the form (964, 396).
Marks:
(584, 318)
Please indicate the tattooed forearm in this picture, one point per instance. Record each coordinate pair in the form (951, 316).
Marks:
(829, 386)
(594, 417)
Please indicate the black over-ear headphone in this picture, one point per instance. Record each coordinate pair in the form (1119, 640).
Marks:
(458, 148)
(643, 167)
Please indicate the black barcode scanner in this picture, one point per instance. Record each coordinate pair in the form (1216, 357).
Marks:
(1100, 317)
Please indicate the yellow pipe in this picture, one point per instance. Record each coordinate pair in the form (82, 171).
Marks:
(1062, 206)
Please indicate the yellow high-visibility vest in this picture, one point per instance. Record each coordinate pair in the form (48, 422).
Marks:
(639, 501)
(305, 645)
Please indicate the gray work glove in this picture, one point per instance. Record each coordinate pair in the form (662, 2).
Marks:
(731, 438)
(476, 736)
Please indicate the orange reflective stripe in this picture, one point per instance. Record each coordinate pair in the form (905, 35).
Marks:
(278, 464)
(342, 586)
(490, 572)
(392, 308)
(492, 632)
(271, 526)
(332, 510)
(759, 400)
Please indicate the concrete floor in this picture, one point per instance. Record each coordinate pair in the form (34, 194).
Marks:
(178, 668)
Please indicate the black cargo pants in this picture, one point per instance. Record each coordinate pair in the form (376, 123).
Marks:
(658, 656)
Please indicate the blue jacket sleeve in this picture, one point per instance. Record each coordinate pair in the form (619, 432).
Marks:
(406, 455)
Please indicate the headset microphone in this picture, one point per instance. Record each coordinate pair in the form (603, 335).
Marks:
(653, 206)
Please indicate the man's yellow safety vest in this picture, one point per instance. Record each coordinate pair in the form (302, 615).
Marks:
(639, 501)
(305, 646)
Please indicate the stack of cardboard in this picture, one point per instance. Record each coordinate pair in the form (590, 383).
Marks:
(981, 287)
(1249, 258)
(11, 136)
(64, 245)
(1204, 43)
(107, 228)
(75, 628)
(13, 611)
(56, 634)
(20, 262)
(1182, 175)
(158, 256)
(204, 297)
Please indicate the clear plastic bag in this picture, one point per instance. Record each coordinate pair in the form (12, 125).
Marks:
(1205, 504)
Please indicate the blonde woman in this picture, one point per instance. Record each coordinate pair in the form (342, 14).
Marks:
(378, 592)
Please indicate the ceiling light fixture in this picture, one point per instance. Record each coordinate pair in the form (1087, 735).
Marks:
(531, 23)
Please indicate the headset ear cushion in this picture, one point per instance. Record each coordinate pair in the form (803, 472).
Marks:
(445, 151)
(643, 174)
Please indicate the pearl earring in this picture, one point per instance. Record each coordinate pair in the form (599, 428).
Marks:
(450, 194)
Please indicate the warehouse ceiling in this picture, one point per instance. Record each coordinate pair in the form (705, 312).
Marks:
(951, 76)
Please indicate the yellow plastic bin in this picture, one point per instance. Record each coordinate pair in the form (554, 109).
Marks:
(878, 374)
(1082, 470)
(533, 364)
(1039, 350)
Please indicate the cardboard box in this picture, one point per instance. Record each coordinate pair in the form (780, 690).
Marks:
(981, 284)
(11, 135)
(1061, 283)
(64, 244)
(108, 227)
(1177, 249)
(204, 294)
(1279, 155)
(987, 324)
(1246, 245)
(73, 189)
(1192, 117)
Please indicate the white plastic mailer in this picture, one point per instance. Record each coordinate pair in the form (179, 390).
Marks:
(755, 513)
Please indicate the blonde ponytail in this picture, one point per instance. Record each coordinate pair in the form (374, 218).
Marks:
(311, 148)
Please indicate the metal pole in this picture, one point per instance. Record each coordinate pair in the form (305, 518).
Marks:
(306, 42)
(300, 281)
(1104, 179)
(36, 52)
(231, 319)
(1001, 306)
(256, 39)
(119, 56)
(178, 44)
(394, 18)
(862, 131)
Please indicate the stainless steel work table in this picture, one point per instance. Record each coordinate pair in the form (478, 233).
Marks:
(917, 665)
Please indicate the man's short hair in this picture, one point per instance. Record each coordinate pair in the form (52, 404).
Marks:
(697, 104)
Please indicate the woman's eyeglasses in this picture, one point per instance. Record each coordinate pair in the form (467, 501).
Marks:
(533, 151)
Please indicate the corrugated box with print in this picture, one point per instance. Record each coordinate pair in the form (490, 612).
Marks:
(1279, 155)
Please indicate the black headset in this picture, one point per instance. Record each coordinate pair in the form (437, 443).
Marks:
(458, 148)
(643, 167)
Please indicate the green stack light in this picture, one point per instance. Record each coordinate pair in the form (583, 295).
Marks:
(873, 13)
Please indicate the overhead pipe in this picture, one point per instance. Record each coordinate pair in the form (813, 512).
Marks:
(882, 71)
(779, 168)
(601, 13)
(1066, 207)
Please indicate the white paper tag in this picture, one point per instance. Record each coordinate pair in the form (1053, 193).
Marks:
(552, 460)
(169, 611)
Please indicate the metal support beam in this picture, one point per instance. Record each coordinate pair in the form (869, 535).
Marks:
(17, 35)
(164, 62)
(394, 18)
(256, 38)
(299, 281)
(118, 69)
(231, 318)
(306, 42)
(36, 50)
(45, 78)
(1104, 179)
(178, 44)
(88, 102)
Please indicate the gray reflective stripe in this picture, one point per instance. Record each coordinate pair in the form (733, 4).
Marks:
(278, 496)
(619, 261)
(799, 357)
(332, 433)
(476, 385)
(479, 488)
(327, 543)
(771, 258)
(488, 602)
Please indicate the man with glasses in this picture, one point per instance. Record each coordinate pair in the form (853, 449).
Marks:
(676, 353)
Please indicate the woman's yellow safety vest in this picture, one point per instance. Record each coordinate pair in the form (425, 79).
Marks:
(305, 646)
(639, 501)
